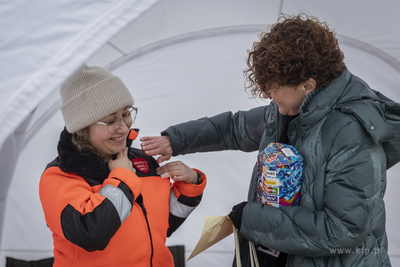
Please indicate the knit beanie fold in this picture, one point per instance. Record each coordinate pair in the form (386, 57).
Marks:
(91, 94)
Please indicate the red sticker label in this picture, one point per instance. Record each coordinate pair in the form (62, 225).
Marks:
(141, 164)
(270, 158)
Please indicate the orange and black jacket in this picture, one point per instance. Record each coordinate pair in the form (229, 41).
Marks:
(117, 218)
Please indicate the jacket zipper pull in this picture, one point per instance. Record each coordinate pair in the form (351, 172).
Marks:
(143, 208)
(139, 201)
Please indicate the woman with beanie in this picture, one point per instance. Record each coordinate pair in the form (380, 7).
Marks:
(103, 201)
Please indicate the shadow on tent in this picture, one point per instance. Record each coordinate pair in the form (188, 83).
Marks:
(178, 252)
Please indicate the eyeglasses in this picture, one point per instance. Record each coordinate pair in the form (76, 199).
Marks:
(114, 123)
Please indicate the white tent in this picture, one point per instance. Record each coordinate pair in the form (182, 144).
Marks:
(181, 59)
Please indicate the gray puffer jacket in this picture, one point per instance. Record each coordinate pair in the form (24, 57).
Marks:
(346, 140)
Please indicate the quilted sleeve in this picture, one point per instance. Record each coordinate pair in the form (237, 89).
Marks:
(240, 131)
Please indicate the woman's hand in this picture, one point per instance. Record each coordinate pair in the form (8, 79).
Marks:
(178, 171)
(122, 160)
(157, 145)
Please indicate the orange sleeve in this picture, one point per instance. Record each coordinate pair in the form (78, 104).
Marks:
(190, 190)
(127, 177)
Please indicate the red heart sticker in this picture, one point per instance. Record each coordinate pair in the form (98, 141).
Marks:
(270, 158)
(141, 164)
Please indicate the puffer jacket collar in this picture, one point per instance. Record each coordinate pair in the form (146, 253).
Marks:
(348, 94)
(86, 165)
(316, 106)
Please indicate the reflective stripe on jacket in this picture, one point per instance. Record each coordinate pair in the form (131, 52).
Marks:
(117, 218)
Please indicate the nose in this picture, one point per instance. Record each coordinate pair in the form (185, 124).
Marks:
(122, 127)
(267, 95)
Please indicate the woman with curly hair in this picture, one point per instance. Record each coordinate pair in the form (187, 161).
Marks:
(339, 126)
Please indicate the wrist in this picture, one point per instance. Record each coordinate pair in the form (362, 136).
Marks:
(194, 178)
(198, 178)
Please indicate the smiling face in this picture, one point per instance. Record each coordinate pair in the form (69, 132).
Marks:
(103, 141)
(290, 98)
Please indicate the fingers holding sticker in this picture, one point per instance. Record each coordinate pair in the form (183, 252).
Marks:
(178, 171)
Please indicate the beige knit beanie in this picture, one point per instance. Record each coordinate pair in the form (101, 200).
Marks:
(91, 94)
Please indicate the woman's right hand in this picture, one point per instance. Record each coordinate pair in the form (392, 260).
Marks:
(157, 145)
(122, 161)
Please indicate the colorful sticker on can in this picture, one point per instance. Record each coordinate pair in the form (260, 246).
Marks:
(280, 173)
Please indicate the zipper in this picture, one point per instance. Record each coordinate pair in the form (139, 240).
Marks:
(139, 201)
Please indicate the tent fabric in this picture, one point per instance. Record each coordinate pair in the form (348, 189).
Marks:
(41, 43)
(181, 60)
(51, 46)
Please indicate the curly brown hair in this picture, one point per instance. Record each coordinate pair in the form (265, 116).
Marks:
(81, 140)
(294, 49)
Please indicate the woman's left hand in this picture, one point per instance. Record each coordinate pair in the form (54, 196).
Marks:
(178, 171)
